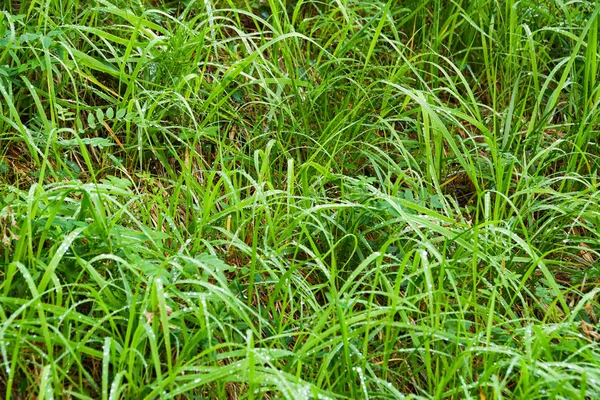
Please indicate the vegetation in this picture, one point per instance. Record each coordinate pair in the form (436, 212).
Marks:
(299, 199)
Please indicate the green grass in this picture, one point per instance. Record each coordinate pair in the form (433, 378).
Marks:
(299, 199)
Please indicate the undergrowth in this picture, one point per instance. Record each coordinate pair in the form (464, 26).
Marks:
(299, 199)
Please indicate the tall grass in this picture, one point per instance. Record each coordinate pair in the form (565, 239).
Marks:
(299, 199)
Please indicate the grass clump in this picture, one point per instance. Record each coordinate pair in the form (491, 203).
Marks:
(299, 199)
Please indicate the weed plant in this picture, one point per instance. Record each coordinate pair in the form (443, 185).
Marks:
(299, 199)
